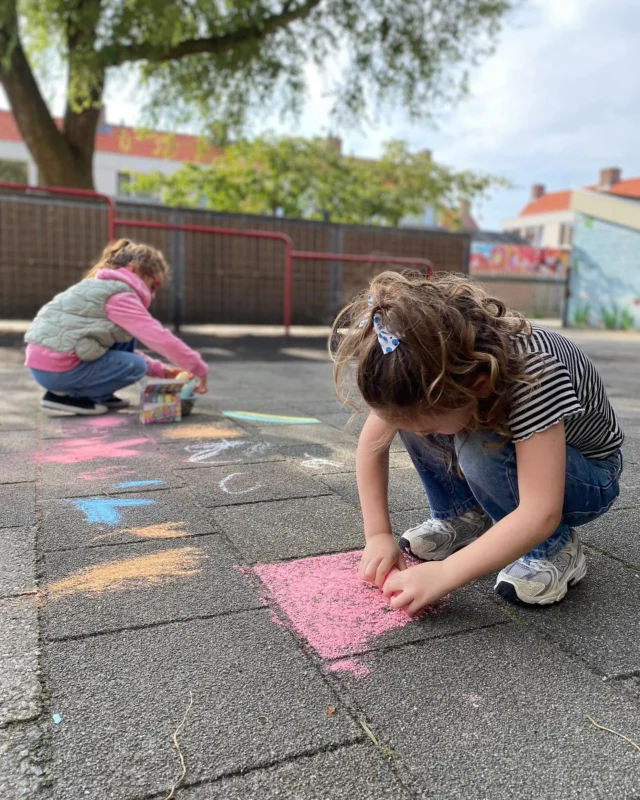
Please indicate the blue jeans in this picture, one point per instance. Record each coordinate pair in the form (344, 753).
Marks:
(99, 379)
(490, 480)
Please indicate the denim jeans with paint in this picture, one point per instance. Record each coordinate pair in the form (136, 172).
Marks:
(99, 379)
(490, 480)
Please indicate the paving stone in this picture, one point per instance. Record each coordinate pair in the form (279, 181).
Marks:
(202, 428)
(253, 483)
(287, 435)
(593, 619)
(70, 426)
(109, 588)
(65, 524)
(291, 528)
(629, 488)
(17, 561)
(616, 533)
(502, 709)
(17, 505)
(23, 762)
(93, 448)
(17, 467)
(354, 771)
(111, 476)
(631, 685)
(220, 452)
(405, 490)
(256, 700)
(401, 521)
(19, 681)
(17, 441)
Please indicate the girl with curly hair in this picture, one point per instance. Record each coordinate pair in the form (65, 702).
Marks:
(507, 424)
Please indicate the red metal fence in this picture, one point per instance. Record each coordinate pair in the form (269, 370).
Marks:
(173, 306)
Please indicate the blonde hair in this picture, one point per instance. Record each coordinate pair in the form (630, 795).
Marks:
(451, 333)
(124, 253)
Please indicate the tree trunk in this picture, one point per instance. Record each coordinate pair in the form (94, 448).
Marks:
(63, 157)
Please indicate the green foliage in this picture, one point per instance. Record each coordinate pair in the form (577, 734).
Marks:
(217, 60)
(627, 320)
(610, 317)
(309, 178)
(581, 315)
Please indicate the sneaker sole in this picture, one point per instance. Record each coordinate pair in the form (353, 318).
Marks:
(83, 412)
(509, 591)
(405, 546)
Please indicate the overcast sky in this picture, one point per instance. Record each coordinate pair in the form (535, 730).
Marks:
(555, 103)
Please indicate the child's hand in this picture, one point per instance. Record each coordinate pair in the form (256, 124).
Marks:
(170, 372)
(202, 387)
(417, 587)
(381, 553)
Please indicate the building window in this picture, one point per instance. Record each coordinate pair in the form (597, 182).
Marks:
(566, 234)
(126, 190)
(14, 171)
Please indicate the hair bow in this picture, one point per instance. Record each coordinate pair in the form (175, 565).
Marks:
(388, 340)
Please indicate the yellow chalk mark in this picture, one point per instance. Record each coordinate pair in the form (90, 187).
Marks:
(202, 432)
(129, 573)
(165, 530)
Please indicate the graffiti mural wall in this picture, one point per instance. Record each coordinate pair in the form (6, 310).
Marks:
(605, 278)
(515, 259)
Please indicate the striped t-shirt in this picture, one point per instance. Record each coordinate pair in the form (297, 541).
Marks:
(567, 388)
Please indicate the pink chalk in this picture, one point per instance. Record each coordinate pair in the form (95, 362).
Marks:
(351, 665)
(329, 605)
(73, 450)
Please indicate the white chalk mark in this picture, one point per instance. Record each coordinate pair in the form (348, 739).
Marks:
(223, 484)
(205, 452)
(211, 450)
(313, 462)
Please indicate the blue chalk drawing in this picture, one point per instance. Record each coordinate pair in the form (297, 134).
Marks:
(130, 484)
(56, 718)
(105, 509)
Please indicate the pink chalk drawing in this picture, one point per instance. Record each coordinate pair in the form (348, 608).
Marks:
(330, 606)
(74, 450)
(107, 422)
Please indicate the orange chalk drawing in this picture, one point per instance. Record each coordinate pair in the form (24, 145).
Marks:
(202, 432)
(165, 530)
(129, 573)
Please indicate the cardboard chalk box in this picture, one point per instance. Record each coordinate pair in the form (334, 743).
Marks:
(160, 401)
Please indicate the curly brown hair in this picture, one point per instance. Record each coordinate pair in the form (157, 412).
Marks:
(451, 334)
(124, 253)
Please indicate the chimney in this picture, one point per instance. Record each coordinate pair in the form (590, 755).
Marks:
(609, 177)
(537, 191)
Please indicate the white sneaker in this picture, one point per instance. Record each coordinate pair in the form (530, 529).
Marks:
(436, 539)
(543, 580)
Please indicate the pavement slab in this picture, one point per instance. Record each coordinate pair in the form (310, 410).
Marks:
(94, 590)
(405, 490)
(291, 528)
(17, 467)
(287, 435)
(69, 426)
(24, 771)
(18, 441)
(357, 771)
(66, 523)
(19, 652)
(257, 700)
(17, 505)
(616, 533)
(252, 483)
(111, 476)
(593, 619)
(220, 452)
(17, 561)
(326, 459)
(501, 713)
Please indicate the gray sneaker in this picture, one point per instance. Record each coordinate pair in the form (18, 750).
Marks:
(542, 581)
(436, 539)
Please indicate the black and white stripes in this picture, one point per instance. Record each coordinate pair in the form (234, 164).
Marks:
(567, 388)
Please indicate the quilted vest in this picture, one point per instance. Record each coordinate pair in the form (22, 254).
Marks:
(76, 320)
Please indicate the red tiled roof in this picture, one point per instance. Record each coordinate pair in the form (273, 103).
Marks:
(127, 141)
(561, 201)
(554, 201)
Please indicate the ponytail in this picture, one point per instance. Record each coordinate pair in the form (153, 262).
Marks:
(124, 253)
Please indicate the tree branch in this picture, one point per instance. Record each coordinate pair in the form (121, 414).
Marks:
(37, 126)
(256, 32)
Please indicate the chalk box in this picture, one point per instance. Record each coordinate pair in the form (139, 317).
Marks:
(160, 401)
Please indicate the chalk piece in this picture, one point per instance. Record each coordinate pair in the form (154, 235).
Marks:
(57, 719)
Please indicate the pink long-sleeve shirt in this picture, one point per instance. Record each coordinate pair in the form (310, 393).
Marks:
(129, 311)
